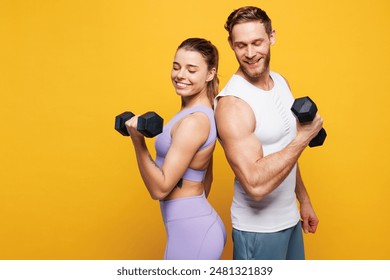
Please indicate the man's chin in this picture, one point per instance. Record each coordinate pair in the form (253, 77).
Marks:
(252, 74)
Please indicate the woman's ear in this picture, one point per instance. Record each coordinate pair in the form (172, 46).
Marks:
(211, 75)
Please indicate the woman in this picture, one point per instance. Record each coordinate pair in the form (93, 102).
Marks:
(181, 175)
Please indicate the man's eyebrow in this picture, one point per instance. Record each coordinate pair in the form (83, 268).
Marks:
(246, 43)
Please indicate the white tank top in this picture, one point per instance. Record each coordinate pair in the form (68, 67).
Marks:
(275, 128)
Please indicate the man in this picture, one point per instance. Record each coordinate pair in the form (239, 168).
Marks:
(262, 141)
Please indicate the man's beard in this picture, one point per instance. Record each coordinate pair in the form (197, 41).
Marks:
(253, 74)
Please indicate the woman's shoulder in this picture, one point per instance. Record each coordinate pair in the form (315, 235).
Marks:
(195, 121)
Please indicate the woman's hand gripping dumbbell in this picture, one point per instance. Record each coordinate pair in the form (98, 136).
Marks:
(149, 124)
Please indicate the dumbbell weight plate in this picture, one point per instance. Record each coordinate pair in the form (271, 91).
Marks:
(150, 124)
(120, 122)
(305, 110)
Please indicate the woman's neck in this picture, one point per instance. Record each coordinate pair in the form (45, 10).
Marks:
(189, 102)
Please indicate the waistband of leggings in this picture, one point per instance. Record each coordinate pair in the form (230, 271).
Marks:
(184, 208)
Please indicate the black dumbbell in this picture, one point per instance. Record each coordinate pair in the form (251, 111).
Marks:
(149, 124)
(305, 110)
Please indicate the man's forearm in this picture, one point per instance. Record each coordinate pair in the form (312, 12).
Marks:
(270, 171)
(300, 189)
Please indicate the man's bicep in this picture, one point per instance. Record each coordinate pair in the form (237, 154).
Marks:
(236, 125)
(241, 147)
(242, 152)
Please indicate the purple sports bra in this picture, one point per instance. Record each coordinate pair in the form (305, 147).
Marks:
(164, 140)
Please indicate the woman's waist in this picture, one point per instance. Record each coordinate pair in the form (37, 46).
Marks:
(185, 189)
(185, 207)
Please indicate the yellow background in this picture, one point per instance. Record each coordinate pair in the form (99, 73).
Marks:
(69, 183)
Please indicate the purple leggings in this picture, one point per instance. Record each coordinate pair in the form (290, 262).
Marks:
(194, 229)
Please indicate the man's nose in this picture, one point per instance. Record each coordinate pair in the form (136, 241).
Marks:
(250, 51)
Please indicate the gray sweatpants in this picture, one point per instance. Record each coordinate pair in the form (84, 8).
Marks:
(282, 245)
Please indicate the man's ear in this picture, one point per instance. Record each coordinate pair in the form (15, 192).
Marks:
(272, 37)
(230, 42)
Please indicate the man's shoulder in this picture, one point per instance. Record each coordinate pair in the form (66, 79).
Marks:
(230, 100)
(278, 76)
(232, 107)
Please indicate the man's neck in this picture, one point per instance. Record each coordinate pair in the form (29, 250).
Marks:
(264, 81)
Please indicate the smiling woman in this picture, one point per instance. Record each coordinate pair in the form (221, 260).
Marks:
(190, 73)
(181, 175)
(196, 66)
